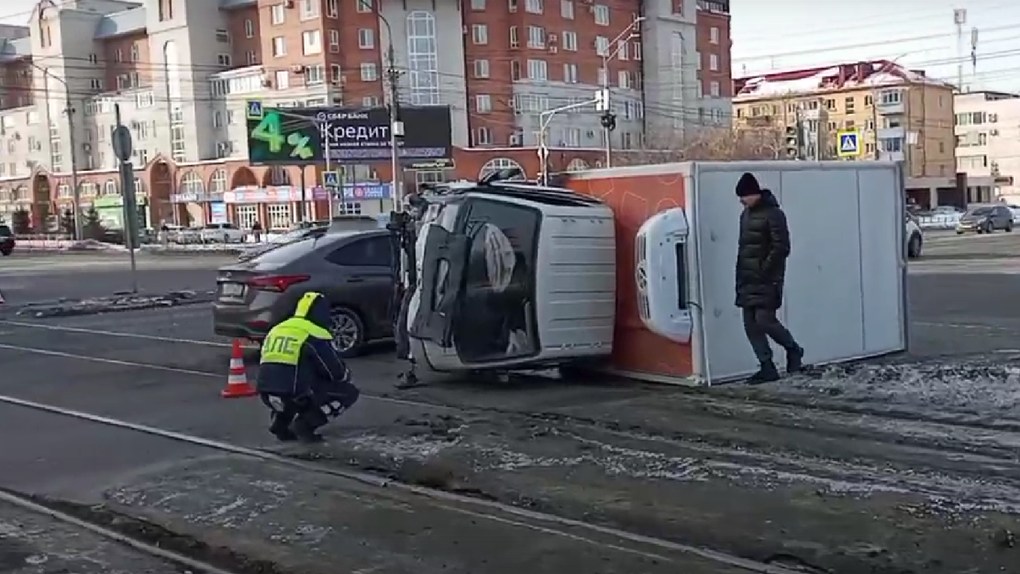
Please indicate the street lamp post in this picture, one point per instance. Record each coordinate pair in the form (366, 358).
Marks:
(615, 45)
(72, 141)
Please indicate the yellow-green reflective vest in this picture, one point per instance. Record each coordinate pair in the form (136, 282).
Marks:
(284, 342)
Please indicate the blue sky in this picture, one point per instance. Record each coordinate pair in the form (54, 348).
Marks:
(787, 34)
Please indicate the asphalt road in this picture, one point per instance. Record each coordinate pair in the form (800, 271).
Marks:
(35, 277)
(748, 478)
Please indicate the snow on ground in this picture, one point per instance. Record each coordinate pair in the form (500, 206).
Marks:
(983, 388)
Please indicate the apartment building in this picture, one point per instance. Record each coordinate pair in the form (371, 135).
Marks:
(715, 75)
(180, 71)
(900, 115)
(988, 144)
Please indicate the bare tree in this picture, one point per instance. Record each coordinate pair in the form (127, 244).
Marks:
(722, 143)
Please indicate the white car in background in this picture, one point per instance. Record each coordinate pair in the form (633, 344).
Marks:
(914, 237)
(222, 233)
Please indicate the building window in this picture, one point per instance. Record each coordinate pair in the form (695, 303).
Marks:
(569, 41)
(311, 41)
(366, 38)
(280, 216)
(252, 57)
(315, 75)
(601, 14)
(278, 14)
(534, 6)
(536, 37)
(310, 9)
(570, 73)
(333, 8)
(422, 58)
(483, 136)
(714, 89)
(282, 80)
(364, 6)
(713, 35)
(249, 28)
(483, 103)
(334, 41)
(247, 215)
(110, 188)
(369, 73)
(713, 62)
(481, 69)
(166, 10)
(480, 34)
(538, 70)
(567, 9)
(279, 46)
(478, 5)
(496, 164)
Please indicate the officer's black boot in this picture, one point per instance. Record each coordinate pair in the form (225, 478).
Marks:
(766, 374)
(280, 427)
(305, 424)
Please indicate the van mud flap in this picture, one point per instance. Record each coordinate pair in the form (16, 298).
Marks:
(443, 266)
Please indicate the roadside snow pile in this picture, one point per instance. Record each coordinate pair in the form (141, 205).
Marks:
(112, 304)
(66, 245)
(981, 388)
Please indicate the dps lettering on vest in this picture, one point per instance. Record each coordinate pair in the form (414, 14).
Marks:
(284, 342)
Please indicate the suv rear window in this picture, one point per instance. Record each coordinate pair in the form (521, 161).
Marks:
(5, 231)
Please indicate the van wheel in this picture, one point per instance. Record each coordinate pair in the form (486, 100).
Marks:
(914, 247)
(348, 332)
(1009, 226)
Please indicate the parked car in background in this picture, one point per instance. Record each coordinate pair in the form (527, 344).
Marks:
(352, 269)
(222, 233)
(7, 241)
(985, 219)
(914, 237)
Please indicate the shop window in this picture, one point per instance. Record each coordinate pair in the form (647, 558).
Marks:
(280, 216)
(247, 215)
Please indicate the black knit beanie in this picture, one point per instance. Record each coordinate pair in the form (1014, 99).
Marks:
(748, 185)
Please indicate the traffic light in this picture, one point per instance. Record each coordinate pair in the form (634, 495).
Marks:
(793, 144)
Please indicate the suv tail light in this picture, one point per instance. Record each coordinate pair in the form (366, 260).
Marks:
(276, 283)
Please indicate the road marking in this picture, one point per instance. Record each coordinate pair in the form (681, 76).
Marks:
(86, 331)
(106, 361)
(207, 374)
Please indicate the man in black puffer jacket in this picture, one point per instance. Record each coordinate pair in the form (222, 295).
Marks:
(763, 248)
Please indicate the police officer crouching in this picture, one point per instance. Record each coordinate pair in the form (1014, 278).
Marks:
(301, 377)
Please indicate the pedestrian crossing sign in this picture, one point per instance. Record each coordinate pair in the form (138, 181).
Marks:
(849, 143)
(331, 179)
(254, 110)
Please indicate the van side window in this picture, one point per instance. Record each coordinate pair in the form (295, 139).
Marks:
(371, 252)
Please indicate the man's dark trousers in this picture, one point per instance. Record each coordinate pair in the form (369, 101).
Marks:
(760, 325)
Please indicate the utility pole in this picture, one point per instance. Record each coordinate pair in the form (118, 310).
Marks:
(608, 118)
(73, 142)
(959, 18)
(396, 126)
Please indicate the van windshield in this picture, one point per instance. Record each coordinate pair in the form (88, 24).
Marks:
(5, 231)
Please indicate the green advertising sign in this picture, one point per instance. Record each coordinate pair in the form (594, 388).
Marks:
(275, 137)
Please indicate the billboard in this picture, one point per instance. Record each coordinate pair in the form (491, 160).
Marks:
(303, 136)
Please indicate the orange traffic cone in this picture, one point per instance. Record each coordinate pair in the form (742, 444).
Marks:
(237, 381)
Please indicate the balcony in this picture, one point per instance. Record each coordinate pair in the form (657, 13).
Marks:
(891, 156)
(891, 102)
(715, 6)
(898, 132)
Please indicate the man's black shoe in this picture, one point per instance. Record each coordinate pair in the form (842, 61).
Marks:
(795, 360)
(766, 374)
(285, 436)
